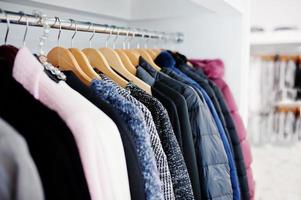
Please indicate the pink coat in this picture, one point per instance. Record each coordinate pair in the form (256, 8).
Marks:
(215, 71)
(96, 135)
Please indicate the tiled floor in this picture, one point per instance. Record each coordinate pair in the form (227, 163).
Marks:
(277, 172)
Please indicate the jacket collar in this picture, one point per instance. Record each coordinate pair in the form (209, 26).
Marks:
(27, 71)
(145, 65)
(145, 76)
(165, 60)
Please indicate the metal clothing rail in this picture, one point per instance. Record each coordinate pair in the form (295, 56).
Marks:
(66, 24)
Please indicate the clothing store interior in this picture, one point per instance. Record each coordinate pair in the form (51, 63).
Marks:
(150, 100)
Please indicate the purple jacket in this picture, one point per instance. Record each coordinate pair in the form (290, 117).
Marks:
(215, 71)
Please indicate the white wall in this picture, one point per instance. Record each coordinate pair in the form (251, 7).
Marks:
(244, 72)
(81, 40)
(112, 8)
(208, 35)
(158, 9)
(272, 13)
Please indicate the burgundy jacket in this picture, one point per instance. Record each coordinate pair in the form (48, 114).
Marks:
(215, 71)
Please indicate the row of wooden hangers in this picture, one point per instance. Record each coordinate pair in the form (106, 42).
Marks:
(118, 64)
(284, 58)
(285, 109)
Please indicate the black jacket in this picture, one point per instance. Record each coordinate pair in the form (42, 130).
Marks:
(187, 138)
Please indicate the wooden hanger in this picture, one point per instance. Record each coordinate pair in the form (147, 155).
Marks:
(286, 109)
(115, 62)
(84, 63)
(148, 59)
(81, 58)
(145, 52)
(157, 51)
(151, 53)
(63, 59)
(133, 56)
(98, 60)
(126, 61)
(131, 53)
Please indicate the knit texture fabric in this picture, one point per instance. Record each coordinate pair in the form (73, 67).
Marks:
(180, 177)
(160, 156)
(136, 124)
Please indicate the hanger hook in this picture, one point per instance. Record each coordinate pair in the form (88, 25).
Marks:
(8, 27)
(110, 34)
(55, 20)
(148, 34)
(174, 40)
(133, 35)
(130, 38)
(21, 16)
(126, 38)
(165, 38)
(27, 25)
(152, 37)
(116, 37)
(71, 23)
(146, 37)
(158, 38)
(75, 31)
(60, 30)
(142, 35)
(92, 36)
(42, 18)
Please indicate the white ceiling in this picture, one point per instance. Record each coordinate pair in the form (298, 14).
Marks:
(137, 9)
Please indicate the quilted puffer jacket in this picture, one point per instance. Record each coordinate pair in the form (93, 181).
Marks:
(214, 69)
(225, 116)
